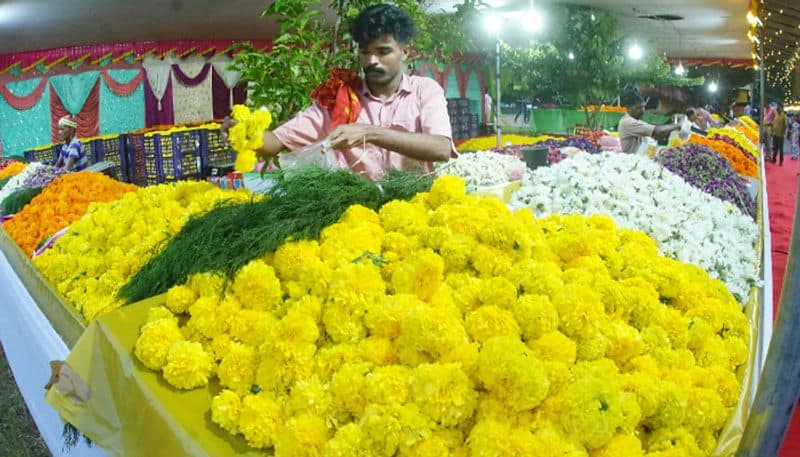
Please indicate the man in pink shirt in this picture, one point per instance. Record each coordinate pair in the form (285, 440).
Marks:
(402, 122)
(769, 119)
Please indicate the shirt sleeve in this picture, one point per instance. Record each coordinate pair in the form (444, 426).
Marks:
(433, 115)
(74, 151)
(639, 128)
(305, 128)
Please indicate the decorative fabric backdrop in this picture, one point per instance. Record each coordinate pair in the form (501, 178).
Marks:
(191, 92)
(121, 102)
(73, 89)
(27, 101)
(155, 112)
(222, 96)
(88, 118)
(24, 129)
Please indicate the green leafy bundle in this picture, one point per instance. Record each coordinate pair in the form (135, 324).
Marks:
(298, 207)
(4, 181)
(17, 200)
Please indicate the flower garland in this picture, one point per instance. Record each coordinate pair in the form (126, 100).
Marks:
(247, 135)
(688, 224)
(18, 180)
(739, 161)
(738, 138)
(109, 244)
(483, 168)
(6, 162)
(60, 204)
(12, 169)
(472, 331)
(486, 143)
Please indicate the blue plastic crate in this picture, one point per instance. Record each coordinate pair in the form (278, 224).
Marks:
(180, 156)
(214, 149)
(143, 158)
(111, 150)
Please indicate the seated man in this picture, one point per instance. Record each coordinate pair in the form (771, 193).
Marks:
(72, 155)
(633, 130)
(394, 121)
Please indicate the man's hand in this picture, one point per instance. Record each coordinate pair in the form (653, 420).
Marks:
(349, 135)
(226, 125)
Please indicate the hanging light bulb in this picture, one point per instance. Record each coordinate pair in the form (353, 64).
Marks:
(571, 55)
(593, 17)
(712, 86)
(635, 52)
(679, 70)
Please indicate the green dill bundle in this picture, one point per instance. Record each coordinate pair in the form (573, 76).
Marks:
(18, 199)
(299, 206)
(4, 181)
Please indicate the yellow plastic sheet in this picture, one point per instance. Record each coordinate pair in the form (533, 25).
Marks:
(131, 410)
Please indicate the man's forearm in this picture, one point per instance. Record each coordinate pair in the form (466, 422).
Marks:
(663, 130)
(420, 146)
(272, 145)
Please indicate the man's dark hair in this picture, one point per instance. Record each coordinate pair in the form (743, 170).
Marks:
(631, 98)
(690, 112)
(383, 19)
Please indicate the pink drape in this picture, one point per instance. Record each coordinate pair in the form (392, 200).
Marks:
(122, 89)
(26, 101)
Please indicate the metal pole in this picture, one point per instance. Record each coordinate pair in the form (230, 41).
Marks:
(778, 389)
(497, 89)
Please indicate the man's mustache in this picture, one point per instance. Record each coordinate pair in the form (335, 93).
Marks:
(374, 70)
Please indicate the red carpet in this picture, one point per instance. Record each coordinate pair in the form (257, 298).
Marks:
(782, 193)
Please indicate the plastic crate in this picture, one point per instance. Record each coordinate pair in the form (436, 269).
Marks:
(214, 149)
(111, 150)
(144, 156)
(180, 156)
(45, 154)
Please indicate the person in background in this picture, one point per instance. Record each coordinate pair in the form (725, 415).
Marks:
(633, 130)
(704, 119)
(795, 137)
(487, 106)
(72, 155)
(525, 110)
(691, 116)
(778, 132)
(766, 135)
(387, 119)
(748, 110)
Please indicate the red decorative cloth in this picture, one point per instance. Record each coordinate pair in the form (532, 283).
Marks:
(122, 89)
(339, 94)
(26, 101)
(88, 119)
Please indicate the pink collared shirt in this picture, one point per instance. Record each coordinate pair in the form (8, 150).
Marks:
(417, 106)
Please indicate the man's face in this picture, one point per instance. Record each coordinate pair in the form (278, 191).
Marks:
(382, 59)
(636, 110)
(65, 132)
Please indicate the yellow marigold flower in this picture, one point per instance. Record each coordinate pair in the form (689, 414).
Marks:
(592, 345)
(302, 436)
(509, 370)
(205, 319)
(237, 370)
(620, 445)
(555, 347)
(624, 341)
(353, 286)
(443, 298)
(671, 409)
(462, 219)
(435, 331)
(404, 217)
(289, 257)
(154, 342)
(225, 409)
(489, 261)
(490, 438)
(432, 446)
(727, 385)
(210, 284)
(579, 308)
(490, 321)
(536, 278)
(377, 351)
(260, 420)
(348, 386)
(536, 315)
(389, 427)
(706, 412)
(466, 291)
(256, 287)
(249, 326)
(383, 316)
(672, 441)
(466, 356)
(310, 396)
(498, 292)
(332, 357)
(446, 189)
(456, 252)
(180, 298)
(443, 392)
(420, 275)
(347, 442)
(157, 313)
(309, 305)
(548, 441)
(188, 365)
(558, 374)
(245, 160)
(219, 346)
(388, 385)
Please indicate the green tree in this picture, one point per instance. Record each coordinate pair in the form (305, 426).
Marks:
(308, 47)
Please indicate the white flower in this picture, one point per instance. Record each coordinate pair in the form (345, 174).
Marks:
(483, 168)
(15, 183)
(688, 224)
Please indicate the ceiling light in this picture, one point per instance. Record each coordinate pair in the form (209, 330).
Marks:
(712, 86)
(635, 52)
(571, 55)
(679, 70)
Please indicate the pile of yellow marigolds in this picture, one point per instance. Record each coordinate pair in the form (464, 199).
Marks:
(447, 325)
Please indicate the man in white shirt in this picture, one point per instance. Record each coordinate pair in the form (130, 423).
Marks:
(633, 130)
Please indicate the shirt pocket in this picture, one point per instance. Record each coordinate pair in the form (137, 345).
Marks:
(405, 123)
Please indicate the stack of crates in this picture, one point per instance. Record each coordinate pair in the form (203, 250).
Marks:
(111, 148)
(214, 150)
(180, 156)
(44, 154)
(463, 122)
(144, 151)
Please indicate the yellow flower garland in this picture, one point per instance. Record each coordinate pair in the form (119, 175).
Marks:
(510, 336)
(247, 135)
(489, 142)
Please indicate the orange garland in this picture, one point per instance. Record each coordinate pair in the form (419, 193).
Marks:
(60, 204)
(740, 162)
(12, 170)
(749, 132)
